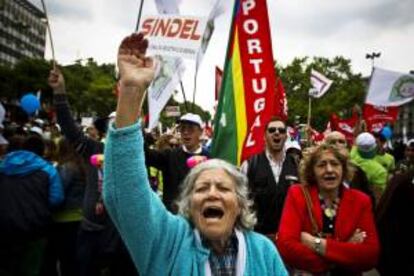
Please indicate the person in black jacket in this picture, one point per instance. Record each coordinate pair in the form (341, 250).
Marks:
(29, 188)
(395, 225)
(99, 244)
(173, 162)
(270, 174)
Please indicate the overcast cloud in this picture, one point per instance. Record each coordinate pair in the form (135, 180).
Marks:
(94, 28)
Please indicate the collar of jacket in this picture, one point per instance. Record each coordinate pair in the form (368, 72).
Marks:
(203, 253)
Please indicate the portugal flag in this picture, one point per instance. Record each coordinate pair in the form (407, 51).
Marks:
(248, 95)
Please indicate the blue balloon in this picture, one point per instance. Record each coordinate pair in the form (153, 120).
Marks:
(386, 132)
(29, 103)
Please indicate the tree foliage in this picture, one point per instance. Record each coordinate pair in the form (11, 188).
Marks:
(184, 108)
(346, 91)
(90, 87)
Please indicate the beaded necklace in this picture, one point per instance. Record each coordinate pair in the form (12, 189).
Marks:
(329, 210)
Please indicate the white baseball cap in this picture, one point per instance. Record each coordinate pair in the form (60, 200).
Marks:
(39, 121)
(192, 119)
(37, 130)
(366, 142)
(112, 115)
(292, 144)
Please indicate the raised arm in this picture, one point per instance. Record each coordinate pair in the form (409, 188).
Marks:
(83, 144)
(150, 232)
(136, 72)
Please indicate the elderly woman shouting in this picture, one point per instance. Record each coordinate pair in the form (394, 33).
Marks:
(211, 235)
(326, 228)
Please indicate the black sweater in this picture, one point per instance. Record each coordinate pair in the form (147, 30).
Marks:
(86, 147)
(269, 196)
(173, 164)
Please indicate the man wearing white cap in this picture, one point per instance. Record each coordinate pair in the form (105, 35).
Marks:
(363, 156)
(173, 162)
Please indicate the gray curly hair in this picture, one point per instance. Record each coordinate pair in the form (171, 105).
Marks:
(247, 218)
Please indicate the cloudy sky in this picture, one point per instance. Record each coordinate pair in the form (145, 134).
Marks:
(328, 28)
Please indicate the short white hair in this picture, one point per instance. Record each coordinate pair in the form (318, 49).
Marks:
(247, 218)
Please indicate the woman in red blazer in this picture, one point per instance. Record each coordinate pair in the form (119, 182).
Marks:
(343, 239)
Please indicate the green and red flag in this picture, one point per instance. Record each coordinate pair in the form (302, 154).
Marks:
(249, 94)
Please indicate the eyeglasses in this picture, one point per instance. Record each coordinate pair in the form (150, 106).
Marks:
(337, 141)
(281, 130)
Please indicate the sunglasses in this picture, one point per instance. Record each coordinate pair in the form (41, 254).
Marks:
(281, 130)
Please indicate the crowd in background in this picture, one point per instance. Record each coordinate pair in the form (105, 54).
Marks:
(53, 218)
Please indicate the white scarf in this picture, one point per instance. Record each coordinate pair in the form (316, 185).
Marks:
(241, 254)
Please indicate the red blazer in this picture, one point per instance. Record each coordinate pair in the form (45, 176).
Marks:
(355, 211)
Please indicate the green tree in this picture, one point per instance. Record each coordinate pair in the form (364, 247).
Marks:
(6, 82)
(90, 88)
(184, 108)
(29, 76)
(347, 89)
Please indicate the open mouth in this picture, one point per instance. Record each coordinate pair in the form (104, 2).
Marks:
(213, 213)
(329, 178)
(276, 140)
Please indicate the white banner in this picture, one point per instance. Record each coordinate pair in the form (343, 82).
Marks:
(320, 84)
(160, 90)
(389, 88)
(173, 35)
(216, 11)
(172, 111)
(86, 121)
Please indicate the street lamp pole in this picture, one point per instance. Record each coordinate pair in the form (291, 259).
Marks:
(372, 57)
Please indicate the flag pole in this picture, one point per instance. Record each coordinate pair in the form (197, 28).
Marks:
(183, 92)
(195, 87)
(50, 34)
(309, 120)
(139, 15)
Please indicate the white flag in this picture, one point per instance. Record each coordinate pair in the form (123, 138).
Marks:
(169, 72)
(320, 84)
(160, 90)
(216, 11)
(389, 88)
(167, 6)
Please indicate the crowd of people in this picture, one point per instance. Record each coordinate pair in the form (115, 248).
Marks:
(116, 200)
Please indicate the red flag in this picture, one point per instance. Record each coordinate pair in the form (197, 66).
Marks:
(247, 97)
(317, 136)
(208, 130)
(345, 126)
(377, 116)
(219, 78)
(281, 108)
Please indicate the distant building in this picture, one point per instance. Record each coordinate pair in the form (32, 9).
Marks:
(404, 126)
(22, 31)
